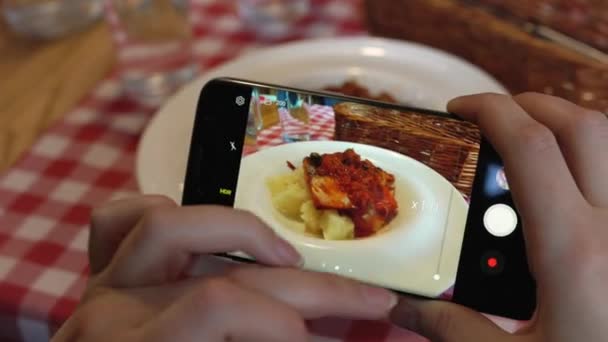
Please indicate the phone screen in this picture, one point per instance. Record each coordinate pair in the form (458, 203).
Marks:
(375, 192)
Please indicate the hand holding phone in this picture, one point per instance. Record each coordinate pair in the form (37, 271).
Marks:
(412, 200)
(141, 250)
(557, 163)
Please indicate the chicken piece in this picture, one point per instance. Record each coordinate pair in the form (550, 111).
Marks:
(325, 191)
(354, 187)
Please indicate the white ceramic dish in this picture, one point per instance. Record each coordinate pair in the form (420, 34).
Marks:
(418, 252)
(413, 73)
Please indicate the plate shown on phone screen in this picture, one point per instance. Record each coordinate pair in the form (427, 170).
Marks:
(417, 252)
(412, 73)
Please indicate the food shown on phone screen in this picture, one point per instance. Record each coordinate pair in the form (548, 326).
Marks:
(338, 196)
(356, 89)
(349, 183)
(373, 191)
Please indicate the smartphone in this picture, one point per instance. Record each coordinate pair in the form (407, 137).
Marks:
(408, 199)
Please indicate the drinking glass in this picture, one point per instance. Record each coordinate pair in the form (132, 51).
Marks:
(272, 19)
(46, 19)
(154, 46)
(294, 116)
(254, 122)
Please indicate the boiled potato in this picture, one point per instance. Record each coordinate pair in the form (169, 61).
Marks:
(300, 179)
(311, 217)
(336, 227)
(291, 197)
(279, 183)
(289, 201)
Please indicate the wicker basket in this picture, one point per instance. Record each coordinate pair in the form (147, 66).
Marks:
(584, 20)
(450, 147)
(493, 35)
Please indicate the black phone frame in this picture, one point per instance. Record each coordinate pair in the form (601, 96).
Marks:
(510, 293)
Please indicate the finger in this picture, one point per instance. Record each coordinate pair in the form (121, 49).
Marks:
(111, 222)
(447, 322)
(161, 247)
(583, 137)
(219, 310)
(316, 295)
(542, 185)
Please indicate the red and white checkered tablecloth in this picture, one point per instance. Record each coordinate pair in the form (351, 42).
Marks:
(320, 127)
(88, 158)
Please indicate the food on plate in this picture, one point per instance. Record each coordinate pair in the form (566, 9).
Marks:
(291, 197)
(357, 188)
(352, 88)
(289, 193)
(336, 226)
(337, 196)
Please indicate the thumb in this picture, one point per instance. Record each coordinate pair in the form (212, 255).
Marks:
(445, 322)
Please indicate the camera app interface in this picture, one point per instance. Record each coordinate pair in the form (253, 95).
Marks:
(373, 193)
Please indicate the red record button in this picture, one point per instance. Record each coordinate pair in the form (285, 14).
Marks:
(492, 263)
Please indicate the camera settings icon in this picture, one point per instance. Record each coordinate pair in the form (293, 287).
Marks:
(240, 101)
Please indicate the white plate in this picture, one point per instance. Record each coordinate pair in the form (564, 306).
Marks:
(413, 73)
(419, 251)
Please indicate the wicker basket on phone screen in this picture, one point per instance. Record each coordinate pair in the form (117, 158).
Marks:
(448, 146)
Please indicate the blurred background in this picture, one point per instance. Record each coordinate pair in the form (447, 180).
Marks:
(53, 52)
(83, 82)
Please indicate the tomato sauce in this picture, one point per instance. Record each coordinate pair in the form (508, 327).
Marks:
(369, 188)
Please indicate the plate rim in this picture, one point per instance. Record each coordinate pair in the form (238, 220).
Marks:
(257, 53)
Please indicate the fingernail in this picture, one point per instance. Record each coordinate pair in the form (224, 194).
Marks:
(453, 102)
(287, 253)
(405, 315)
(380, 297)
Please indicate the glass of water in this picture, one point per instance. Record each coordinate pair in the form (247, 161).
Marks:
(294, 116)
(154, 46)
(47, 19)
(272, 19)
(255, 121)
